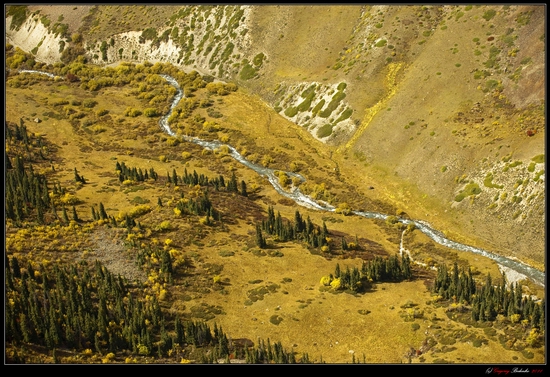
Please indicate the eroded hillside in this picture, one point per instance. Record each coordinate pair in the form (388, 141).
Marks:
(440, 108)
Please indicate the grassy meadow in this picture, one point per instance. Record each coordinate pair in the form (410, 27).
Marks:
(221, 276)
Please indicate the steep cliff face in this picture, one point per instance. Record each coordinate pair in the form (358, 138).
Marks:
(34, 36)
(441, 106)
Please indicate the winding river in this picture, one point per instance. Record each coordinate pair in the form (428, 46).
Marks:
(303, 200)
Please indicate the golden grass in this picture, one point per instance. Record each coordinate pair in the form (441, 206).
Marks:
(327, 326)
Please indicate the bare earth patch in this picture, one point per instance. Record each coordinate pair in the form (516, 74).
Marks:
(110, 251)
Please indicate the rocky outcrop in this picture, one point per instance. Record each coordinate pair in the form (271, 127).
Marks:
(33, 36)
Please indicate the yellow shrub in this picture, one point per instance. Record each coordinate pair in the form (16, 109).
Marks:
(139, 210)
(172, 141)
(267, 160)
(69, 199)
(120, 216)
(223, 150)
(532, 338)
(284, 180)
(174, 253)
(163, 294)
(326, 280)
(335, 284)
(344, 209)
(514, 318)
(210, 126)
(97, 129)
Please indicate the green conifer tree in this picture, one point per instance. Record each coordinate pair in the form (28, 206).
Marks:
(243, 189)
(75, 215)
(102, 212)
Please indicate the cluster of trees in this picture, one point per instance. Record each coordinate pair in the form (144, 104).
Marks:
(146, 254)
(100, 214)
(285, 230)
(86, 307)
(28, 197)
(202, 206)
(26, 193)
(17, 133)
(134, 174)
(195, 179)
(76, 308)
(267, 354)
(393, 268)
(232, 186)
(390, 269)
(490, 300)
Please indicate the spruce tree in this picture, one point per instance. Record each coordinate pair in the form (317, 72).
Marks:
(243, 189)
(16, 268)
(174, 177)
(232, 184)
(75, 215)
(78, 177)
(102, 212)
(344, 244)
(260, 240)
(7, 159)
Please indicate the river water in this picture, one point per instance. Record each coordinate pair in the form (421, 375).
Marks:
(506, 264)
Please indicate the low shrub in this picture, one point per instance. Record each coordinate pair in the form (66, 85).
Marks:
(291, 112)
(345, 115)
(539, 159)
(325, 131)
(150, 112)
(275, 319)
(89, 103)
(470, 189)
(139, 210)
(248, 72)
